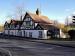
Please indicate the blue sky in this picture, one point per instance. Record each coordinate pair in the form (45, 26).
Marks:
(54, 9)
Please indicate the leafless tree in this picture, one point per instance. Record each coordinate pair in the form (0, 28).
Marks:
(19, 11)
(66, 21)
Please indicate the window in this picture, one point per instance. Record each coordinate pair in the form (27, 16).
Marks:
(10, 26)
(24, 33)
(31, 22)
(19, 33)
(28, 23)
(8, 32)
(27, 19)
(40, 34)
(6, 26)
(17, 26)
(12, 33)
(30, 34)
(13, 26)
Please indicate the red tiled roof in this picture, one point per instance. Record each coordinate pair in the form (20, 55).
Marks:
(40, 18)
(15, 22)
(48, 26)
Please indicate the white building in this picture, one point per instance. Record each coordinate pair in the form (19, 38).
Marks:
(70, 20)
(32, 26)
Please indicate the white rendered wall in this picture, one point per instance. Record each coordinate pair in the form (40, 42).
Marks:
(35, 33)
(6, 32)
(12, 32)
(45, 34)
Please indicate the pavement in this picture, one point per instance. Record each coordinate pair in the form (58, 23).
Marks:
(32, 48)
(4, 52)
(70, 44)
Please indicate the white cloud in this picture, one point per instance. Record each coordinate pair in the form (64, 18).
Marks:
(69, 10)
(73, 13)
(69, 16)
(60, 19)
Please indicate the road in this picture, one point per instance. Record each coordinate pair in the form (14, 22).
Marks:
(26, 48)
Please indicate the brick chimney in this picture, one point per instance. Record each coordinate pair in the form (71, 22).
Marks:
(37, 12)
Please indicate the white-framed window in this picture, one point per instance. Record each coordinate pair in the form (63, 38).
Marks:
(40, 34)
(27, 19)
(30, 34)
(24, 33)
